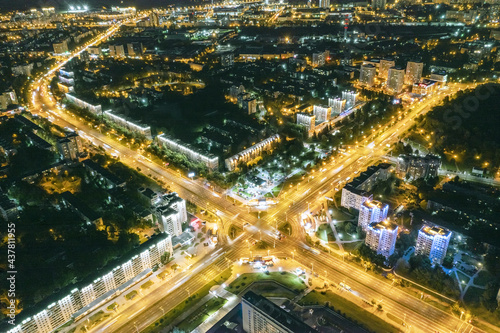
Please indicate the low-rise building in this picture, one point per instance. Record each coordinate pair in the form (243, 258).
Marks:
(129, 124)
(252, 152)
(192, 153)
(93, 108)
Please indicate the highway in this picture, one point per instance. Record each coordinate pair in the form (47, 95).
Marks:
(422, 316)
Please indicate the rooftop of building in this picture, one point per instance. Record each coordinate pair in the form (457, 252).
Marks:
(102, 171)
(279, 315)
(435, 230)
(374, 204)
(79, 205)
(384, 225)
(368, 173)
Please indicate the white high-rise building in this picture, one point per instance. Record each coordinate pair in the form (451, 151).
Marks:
(395, 79)
(171, 212)
(433, 242)
(367, 75)
(350, 97)
(337, 105)
(413, 72)
(322, 112)
(372, 211)
(381, 237)
(324, 3)
(308, 121)
(385, 65)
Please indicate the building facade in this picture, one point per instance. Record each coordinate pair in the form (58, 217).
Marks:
(416, 167)
(132, 126)
(413, 72)
(337, 104)
(95, 109)
(351, 98)
(372, 211)
(322, 113)
(192, 153)
(171, 213)
(367, 75)
(254, 151)
(381, 237)
(83, 299)
(260, 315)
(395, 79)
(308, 121)
(433, 242)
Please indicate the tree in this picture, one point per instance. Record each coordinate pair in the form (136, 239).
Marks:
(164, 258)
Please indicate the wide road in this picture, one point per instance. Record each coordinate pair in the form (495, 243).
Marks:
(422, 316)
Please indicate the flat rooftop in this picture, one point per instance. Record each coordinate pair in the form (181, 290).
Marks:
(384, 225)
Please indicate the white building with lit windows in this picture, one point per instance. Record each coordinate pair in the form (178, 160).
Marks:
(171, 213)
(372, 211)
(433, 242)
(381, 237)
(192, 153)
(132, 126)
(85, 298)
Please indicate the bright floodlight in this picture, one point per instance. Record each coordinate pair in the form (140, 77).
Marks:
(191, 174)
(86, 7)
(71, 7)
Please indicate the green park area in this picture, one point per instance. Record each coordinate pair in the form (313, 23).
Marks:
(169, 317)
(292, 283)
(325, 233)
(349, 310)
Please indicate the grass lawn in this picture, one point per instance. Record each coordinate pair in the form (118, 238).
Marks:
(343, 235)
(286, 229)
(111, 307)
(98, 317)
(147, 285)
(349, 310)
(463, 278)
(485, 315)
(201, 314)
(131, 295)
(348, 247)
(395, 318)
(289, 280)
(325, 233)
(187, 303)
(473, 295)
(339, 215)
(482, 278)
(234, 231)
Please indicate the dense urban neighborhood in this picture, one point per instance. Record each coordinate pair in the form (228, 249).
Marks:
(250, 166)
